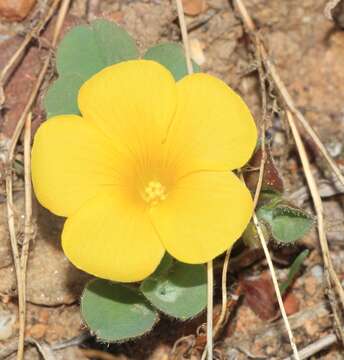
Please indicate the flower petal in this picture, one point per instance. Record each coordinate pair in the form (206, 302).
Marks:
(72, 161)
(132, 102)
(203, 216)
(213, 128)
(112, 239)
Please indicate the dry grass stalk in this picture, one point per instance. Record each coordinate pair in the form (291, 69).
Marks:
(330, 274)
(18, 53)
(276, 287)
(210, 304)
(184, 31)
(291, 112)
(316, 347)
(20, 263)
(210, 307)
(284, 92)
(28, 227)
(222, 316)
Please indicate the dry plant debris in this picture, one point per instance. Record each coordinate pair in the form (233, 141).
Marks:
(299, 39)
(194, 7)
(14, 10)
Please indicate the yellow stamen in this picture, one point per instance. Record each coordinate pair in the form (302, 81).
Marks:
(154, 192)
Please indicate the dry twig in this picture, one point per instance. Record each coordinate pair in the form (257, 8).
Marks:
(28, 192)
(326, 190)
(101, 355)
(210, 307)
(12, 346)
(317, 346)
(184, 32)
(284, 92)
(276, 330)
(272, 332)
(222, 316)
(44, 349)
(18, 262)
(291, 112)
(27, 229)
(16, 56)
(263, 124)
(276, 286)
(329, 270)
(15, 252)
(259, 56)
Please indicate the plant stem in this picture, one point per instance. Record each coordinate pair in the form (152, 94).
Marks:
(276, 286)
(210, 311)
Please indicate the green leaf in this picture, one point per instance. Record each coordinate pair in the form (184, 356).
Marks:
(115, 312)
(265, 213)
(164, 266)
(181, 293)
(250, 236)
(285, 222)
(290, 224)
(62, 95)
(294, 269)
(171, 55)
(84, 51)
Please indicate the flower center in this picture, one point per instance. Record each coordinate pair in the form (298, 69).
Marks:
(154, 192)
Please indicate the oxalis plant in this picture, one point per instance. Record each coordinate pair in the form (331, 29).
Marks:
(137, 155)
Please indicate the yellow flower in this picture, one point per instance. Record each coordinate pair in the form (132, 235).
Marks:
(146, 169)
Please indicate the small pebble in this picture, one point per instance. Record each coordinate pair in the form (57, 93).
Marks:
(37, 331)
(16, 10)
(291, 304)
(334, 148)
(197, 54)
(4, 37)
(194, 7)
(7, 321)
(311, 285)
(318, 272)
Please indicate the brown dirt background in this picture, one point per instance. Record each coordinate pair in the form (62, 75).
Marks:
(308, 50)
